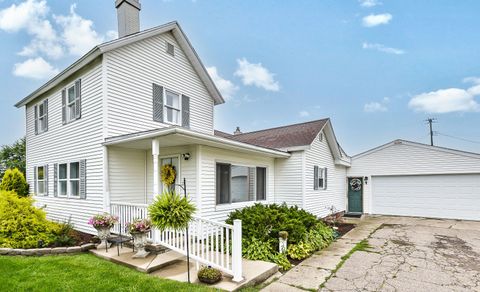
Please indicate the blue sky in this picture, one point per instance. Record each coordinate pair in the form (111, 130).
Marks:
(378, 69)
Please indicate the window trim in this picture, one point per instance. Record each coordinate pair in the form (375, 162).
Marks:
(165, 106)
(44, 116)
(322, 177)
(225, 206)
(40, 180)
(68, 180)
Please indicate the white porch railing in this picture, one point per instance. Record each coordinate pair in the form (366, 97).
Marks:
(211, 243)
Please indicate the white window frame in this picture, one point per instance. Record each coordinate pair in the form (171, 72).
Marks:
(41, 129)
(40, 180)
(321, 178)
(68, 180)
(165, 107)
(59, 193)
(72, 104)
(223, 206)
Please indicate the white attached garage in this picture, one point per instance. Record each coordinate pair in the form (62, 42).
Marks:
(410, 179)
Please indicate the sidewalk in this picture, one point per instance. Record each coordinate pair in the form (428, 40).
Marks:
(312, 272)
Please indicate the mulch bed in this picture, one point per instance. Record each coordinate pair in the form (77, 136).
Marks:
(343, 228)
(82, 237)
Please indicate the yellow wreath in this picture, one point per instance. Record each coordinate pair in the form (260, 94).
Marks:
(168, 174)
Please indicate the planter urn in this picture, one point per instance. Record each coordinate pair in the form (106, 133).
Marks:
(139, 241)
(103, 235)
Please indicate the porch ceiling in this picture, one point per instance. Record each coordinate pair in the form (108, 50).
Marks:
(176, 136)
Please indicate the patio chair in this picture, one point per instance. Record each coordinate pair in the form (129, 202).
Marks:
(120, 239)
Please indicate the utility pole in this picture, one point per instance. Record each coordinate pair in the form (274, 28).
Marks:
(430, 121)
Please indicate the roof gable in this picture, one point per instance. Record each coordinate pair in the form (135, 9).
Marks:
(173, 27)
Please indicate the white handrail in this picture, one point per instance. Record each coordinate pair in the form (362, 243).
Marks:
(212, 243)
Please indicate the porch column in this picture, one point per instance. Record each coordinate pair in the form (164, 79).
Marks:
(156, 173)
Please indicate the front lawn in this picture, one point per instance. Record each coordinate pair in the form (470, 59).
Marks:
(83, 272)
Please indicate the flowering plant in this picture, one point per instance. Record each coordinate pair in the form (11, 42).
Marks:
(139, 226)
(103, 220)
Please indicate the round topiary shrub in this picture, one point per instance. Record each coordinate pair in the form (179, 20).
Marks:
(14, 180)
(209, 275)
(171, 211)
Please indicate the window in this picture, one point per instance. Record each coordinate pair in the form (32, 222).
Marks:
(170, 49)
(69, 179)
(319, 178)
(41, 117)
(172, 107)
(71, 112)
(62, 180)
(40, 180)
(240, 183)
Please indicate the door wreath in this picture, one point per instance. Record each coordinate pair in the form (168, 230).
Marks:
(169, 174)
(356, 184)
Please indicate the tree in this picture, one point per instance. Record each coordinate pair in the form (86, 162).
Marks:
(13, 156)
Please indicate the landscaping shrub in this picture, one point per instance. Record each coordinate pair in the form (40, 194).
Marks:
(14, 180)
(263, 224)
(22, 225)
(64, 234)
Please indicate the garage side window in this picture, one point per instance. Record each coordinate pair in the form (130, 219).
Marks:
(319, 178)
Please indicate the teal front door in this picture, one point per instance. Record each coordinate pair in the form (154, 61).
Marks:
(355, 191)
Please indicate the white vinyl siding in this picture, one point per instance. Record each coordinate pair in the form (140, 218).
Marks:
(288, 179)
(321, 200)
(131, 70)
(409, 159)
(71, 142)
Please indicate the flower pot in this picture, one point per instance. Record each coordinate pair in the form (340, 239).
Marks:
(103, 235)
(209, 281)
(139, 241)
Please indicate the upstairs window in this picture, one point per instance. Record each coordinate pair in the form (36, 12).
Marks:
(240, 183)
(172, 107)
(41, 117)
(71, 102)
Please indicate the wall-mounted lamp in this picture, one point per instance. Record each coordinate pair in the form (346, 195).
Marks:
(186, 156)
(365, 179)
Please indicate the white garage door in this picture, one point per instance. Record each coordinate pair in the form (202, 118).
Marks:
(455, 196)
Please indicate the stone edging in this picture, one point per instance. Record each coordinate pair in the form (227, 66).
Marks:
(46, 250)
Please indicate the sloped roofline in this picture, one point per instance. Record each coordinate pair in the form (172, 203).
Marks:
(417, 144)
(98, 50)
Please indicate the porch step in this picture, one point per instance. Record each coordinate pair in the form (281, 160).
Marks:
(149, 264)
(353, 215)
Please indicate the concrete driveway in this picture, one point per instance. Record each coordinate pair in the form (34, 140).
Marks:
(414, 254)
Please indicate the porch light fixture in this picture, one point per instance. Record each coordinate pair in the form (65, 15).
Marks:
(365, 179)
(186, 156)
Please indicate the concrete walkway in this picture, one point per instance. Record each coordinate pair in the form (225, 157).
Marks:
(312, 272)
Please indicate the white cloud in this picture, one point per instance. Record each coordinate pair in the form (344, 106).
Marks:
(36, 68)
(376, 19)
(257, 75)
(382, 48)
(304, 113)
(373, 107)
(21, 16)
(446, 101)
(78, 33)
(369, 3)
(226, 87)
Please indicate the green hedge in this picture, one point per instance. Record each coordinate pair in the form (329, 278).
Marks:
(14, 180)
(24, 226)
(261, 225)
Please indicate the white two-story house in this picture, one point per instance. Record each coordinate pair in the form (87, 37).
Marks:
(99, 132)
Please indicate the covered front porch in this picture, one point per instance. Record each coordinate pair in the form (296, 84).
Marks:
(133, 179)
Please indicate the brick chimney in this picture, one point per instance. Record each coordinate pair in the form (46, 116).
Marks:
(128, 15)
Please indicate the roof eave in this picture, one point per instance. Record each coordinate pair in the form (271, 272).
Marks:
(77, 65)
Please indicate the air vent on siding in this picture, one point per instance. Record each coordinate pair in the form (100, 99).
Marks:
(320, 137)
(170, 49)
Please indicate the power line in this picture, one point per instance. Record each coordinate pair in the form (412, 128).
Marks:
(430, 121)
(459, 138)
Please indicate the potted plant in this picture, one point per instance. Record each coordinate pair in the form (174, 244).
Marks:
(103, 223)
(139, 229)
(209, 275)
(171, 211)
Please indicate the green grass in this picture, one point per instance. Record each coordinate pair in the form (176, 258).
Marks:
(83, 272)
